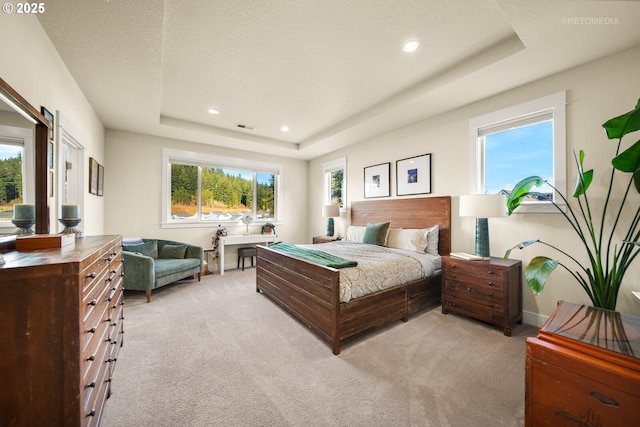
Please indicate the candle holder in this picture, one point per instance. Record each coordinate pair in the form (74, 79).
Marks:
(24, 226)
(70, 226)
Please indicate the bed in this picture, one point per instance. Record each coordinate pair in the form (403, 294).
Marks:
(311, 292)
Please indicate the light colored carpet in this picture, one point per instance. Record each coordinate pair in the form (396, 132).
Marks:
(217, 353)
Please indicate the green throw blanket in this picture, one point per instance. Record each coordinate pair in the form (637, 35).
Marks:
(312, 255)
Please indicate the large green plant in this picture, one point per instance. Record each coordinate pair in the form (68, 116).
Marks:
(608, 259)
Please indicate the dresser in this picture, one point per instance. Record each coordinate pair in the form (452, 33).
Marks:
(488, 290)
(583, 369)
(61, 317)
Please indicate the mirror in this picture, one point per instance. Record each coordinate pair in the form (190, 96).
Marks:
(13, 100)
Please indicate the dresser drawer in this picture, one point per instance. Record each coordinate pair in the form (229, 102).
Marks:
(565, 398)
(483, 295)
(494, 315)
(480, 274)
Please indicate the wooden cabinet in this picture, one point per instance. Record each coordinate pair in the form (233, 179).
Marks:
(489, 290)
(583, 369)
(61, 317)
(324, 239)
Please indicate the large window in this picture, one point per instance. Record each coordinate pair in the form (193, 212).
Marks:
(335, 183)
(211, 189)
(16, 171)
(517, 142)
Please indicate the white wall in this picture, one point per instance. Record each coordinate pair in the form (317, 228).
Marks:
(133, 192)
(32, 66)
(595, 93)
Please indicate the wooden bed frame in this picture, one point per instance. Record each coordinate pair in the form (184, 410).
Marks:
(311, 292)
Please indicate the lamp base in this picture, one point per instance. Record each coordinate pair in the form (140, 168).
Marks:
(482, 238)
(330, 227)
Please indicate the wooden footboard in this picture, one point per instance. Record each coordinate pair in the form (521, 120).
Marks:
(311, 293)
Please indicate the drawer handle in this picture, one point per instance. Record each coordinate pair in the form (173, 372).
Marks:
(92, 275)
(604, 399)
(490, 271)
(92, 413)
(93, 302)
(92, 385)
(490, 294)
(91, 358)
(453, 285)
(92, 330)
(469, 289)
(490, 283)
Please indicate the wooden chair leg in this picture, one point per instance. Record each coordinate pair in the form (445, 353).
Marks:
(198, 276)
(148, 293)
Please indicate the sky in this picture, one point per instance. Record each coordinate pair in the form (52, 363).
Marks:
(7, 151)
(515, 154)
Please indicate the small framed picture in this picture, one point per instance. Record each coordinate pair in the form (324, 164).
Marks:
(100, 180)
(376, 181)
(413, 175)
(93, 176)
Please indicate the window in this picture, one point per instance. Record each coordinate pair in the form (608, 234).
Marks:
(201, 189)
(517, 142)
(16, 171)
(335, 183)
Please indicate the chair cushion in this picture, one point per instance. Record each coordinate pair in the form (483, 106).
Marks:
(166, 267)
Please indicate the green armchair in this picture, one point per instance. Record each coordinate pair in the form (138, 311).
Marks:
(155, 263)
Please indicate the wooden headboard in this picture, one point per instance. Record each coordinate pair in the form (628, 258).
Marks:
(408, 213)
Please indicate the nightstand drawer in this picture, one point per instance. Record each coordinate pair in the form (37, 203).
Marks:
(484, 295)
(493, 315)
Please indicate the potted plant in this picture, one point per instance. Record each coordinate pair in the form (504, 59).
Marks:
(608, 259)
(268, 228)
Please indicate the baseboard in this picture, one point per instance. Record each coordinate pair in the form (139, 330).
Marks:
(534, 319)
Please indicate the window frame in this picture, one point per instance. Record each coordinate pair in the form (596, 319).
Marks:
(20, 136)
(327, 169)
(213, 161)
(518, 115)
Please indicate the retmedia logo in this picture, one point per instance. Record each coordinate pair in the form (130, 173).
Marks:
(591, 20)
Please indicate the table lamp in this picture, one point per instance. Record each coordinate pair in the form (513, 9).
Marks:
(330, 212)
(482, 207)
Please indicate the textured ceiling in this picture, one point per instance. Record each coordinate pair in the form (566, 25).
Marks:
(331, 70)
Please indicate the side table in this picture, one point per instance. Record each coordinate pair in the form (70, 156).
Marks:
(488, 290)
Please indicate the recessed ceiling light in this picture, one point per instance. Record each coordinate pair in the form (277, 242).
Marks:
(284, 128)
(410, 46)
(213, 111)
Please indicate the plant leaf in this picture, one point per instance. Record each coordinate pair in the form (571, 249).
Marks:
(520, 245)
(620, 126)
(583, 181)
(538, 271)
(629, 159)
(521, 190)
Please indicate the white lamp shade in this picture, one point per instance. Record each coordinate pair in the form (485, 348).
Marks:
(483, 205)
(330, 211)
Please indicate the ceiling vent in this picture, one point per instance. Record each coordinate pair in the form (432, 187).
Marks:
(246, 127)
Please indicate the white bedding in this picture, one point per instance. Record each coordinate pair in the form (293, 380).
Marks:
(378, 267)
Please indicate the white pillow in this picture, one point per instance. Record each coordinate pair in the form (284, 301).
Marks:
(433, 235)
(355, 233)
(410, 239)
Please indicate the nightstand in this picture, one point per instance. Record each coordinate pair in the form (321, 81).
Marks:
(489, 290)
(325, 239)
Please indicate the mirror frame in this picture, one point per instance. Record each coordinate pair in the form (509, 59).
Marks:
(41, 146)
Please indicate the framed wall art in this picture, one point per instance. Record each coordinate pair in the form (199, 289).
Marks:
(413, 175)
(100, 180)
(376, 181)
(93, 176)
